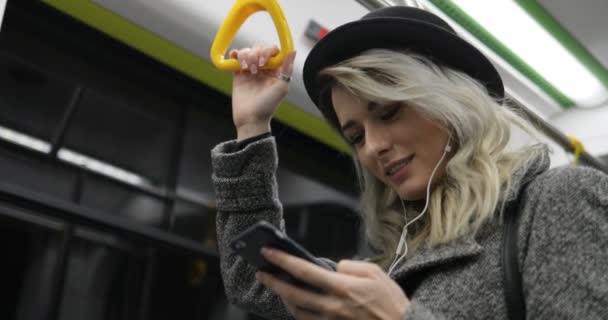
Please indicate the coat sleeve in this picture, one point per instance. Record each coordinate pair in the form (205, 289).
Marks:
(418, 311)
(564, 251)
(246, 192)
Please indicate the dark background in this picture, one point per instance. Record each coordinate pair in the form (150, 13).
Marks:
(80, 244)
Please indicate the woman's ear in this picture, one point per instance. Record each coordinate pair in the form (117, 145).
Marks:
(448, 146)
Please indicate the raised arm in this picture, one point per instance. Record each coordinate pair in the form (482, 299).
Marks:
(244, 175)
(246, 192)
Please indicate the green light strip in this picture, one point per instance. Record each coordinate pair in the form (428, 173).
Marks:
(472, 26)
(187, 63)
(569, 42)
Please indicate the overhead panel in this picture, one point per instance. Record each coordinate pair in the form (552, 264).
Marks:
(581, 27)
(550, 57)
(488, 39)
(187, 62)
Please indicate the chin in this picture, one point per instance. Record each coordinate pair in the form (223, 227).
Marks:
(410, 197)
(411, 194)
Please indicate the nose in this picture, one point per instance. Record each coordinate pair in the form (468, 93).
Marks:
(377, 142)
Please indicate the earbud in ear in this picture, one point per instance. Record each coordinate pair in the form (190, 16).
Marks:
(448, 147)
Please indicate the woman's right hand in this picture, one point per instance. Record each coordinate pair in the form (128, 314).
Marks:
(256, 93)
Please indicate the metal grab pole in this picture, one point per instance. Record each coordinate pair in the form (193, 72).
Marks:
(375, 4)
(560, 138)
(546, 128)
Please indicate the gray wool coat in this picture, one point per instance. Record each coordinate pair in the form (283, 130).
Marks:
(563, 242)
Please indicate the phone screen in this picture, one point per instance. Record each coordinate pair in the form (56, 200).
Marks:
(249, 243)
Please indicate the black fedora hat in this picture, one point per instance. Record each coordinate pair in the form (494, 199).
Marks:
(400, 28)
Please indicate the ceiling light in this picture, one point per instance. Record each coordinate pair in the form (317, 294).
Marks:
(100, 167)
(24, 140)
(2, 7)
(512, 26)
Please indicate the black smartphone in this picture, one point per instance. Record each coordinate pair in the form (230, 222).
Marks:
(263, 234)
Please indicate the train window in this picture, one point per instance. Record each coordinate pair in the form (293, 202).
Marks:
(116, 199)
(31, 102)
(101, 282)
(326, 229)
(188, 288)
(136, 138)
(195, 222)
(18, 244)
(204, 129)
(35, 173)
(41, 249)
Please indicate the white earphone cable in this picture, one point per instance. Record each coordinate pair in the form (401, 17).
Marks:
(402, 240)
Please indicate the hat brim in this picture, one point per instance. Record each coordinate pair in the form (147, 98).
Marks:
(439, 45)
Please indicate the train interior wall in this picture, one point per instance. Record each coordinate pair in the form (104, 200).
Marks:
(105, 170)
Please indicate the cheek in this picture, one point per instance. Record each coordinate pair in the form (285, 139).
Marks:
(428, 159)
(432, 161)
(371, 167)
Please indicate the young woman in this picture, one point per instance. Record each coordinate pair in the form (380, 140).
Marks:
(422, 111)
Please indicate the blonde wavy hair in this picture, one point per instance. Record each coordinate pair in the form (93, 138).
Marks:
(479, 173)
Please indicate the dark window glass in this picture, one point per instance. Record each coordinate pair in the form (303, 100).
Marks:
(195, 222)
(118, 200)
(188, 288)
(138, 138)
(204, 130)
(31, 102)
(325, 229)
(36, 174)
(102, 283)
(16, 241)
(27, 271)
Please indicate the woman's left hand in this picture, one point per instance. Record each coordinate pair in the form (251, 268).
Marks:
(358, 290)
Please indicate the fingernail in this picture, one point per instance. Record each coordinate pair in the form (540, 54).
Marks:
(259, 276)
(266, 252)
(254, 68)
(244, 64)
(262, 61)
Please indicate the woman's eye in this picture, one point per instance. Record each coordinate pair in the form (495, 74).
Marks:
(355, 139)
(390, 113)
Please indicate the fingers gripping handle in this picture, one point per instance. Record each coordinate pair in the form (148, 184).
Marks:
(240, 11)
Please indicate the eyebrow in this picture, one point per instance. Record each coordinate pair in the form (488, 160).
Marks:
(349, 124)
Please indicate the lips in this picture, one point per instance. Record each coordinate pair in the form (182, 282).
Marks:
(396, 166)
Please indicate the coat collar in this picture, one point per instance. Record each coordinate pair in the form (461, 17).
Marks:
(467, 247)
(427, 257)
